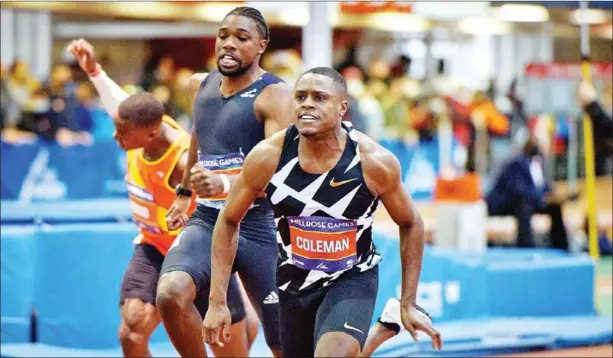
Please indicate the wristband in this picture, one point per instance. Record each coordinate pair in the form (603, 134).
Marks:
(96, 72)
(226, 183)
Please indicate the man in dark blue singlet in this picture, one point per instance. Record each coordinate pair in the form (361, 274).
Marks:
(324, 181)
(236, 107)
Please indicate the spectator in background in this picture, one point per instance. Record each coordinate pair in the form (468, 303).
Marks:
(38, 117)
(521, 190)
(4, 100)
(158, 73)
(63, 97)
(602, 123)
(181, 99)
(164, 94)
(354, 113)
(367, 103)
(423, 120)
(19, 86)
(400, 68)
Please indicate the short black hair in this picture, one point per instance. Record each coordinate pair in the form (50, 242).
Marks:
(142, 109)
(255, 15)
(330, 73)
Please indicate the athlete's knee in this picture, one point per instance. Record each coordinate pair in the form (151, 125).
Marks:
(176, 290)
(139, 320)
(337, 344)
(253, 326)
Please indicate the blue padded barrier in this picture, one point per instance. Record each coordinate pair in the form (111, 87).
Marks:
(77, 284)
(94, 210)
(487, 337)
(17, 282)
(501, 282)
(547, 287)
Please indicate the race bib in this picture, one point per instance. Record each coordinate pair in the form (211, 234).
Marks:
(230, 164)
(324, 244)
(144, 209)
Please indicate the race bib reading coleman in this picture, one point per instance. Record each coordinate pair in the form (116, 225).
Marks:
(144, 209)
(230, 164)
(324, 244)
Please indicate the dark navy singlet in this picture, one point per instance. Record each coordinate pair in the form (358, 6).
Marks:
(324, 221)
(227, 128)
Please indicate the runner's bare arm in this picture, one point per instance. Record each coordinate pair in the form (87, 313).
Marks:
(383, 177)
(111, 94)
(274, 108)
(258, 168)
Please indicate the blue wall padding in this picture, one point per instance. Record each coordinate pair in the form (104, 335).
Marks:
(500, 283)
(489, 337)
(77, 286)
(554, 287)
(17, 278)
(94, 210)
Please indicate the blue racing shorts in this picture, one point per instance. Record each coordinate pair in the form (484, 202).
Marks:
(255, 263)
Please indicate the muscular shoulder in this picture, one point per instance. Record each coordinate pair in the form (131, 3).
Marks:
(272, 97)
(195, 81)
(381, 168)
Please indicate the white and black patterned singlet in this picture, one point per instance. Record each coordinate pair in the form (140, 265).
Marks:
(324, 221)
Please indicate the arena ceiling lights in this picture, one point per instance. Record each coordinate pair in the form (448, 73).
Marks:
(522, 13)
(484, 26)
(588, 16)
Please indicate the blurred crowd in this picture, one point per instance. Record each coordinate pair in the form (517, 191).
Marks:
(385, 102)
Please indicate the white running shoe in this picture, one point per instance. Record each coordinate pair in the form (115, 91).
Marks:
(390, 318)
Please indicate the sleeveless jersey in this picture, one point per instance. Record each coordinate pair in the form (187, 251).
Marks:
(324, 221)
(227, 128)
(150, 194)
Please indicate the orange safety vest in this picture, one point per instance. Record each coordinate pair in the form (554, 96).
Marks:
(150, 194)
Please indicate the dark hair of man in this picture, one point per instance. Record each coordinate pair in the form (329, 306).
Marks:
(142, 109)
(255, 15)
(330, 73)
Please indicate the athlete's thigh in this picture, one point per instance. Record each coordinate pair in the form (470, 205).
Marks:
(141, 276)
(297, 324)
(256, 263)
(191, 252)
(348, 306)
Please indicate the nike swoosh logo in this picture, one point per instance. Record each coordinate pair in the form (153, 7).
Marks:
(352, 328)
(337, 184)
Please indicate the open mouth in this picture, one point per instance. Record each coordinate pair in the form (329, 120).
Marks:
(307, 118)
(228, 61)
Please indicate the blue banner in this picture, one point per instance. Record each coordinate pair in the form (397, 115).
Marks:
(45, 171)
(420, 165)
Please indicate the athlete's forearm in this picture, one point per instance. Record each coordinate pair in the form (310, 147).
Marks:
(225, 244)
(412, 240)
(192, 158)
(110, 93)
